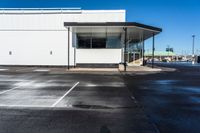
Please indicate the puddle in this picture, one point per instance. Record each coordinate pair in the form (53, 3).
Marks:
(165, 82)
(192, 89)
(195, 99)
(102, 107)
(91, 107)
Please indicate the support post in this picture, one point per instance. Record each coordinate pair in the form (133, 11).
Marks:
(75, 50)
(68, 66)
(75, 56)
(153, 50)
(143, 63)
(125, 43)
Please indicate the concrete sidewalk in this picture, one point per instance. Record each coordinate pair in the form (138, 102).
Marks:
(143, 68)
(63, 70)
(147, 68)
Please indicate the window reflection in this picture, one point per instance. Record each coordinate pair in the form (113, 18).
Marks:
(98, 40)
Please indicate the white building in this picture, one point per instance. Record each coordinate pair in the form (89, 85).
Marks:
(68, 37)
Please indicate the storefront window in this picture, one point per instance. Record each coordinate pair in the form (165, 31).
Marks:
(113, 40)
(84, 42)
(98, 40)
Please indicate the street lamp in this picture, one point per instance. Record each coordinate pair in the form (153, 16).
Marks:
(193, 56)
(168, 49)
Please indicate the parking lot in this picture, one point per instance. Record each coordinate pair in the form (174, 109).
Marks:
(170, 99)
(47, 100)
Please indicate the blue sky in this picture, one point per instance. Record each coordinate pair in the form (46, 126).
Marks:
(180, 19)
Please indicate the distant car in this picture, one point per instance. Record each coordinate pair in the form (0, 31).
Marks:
(198, 59)
(164, 60)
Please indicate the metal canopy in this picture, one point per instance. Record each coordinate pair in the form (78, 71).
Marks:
(134, 30)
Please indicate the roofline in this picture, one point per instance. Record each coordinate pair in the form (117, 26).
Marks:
(118, 24)
(107, 10)
(71, 8)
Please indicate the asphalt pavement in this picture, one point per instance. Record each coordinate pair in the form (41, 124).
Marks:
(38, 100)
(42, 100)
(170, 99)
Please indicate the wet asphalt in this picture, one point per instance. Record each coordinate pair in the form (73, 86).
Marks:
(102, 102)
(46, 101)
(170, 99)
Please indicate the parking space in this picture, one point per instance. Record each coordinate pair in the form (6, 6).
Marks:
(52, 101)
(94, 94)
(51, 91)
(28, 91)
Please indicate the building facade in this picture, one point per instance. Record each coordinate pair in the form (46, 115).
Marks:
(68, 37)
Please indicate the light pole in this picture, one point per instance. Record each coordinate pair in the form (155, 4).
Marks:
(168, 49)
(193, 56)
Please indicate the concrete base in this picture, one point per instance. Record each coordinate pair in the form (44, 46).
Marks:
(95, 69)
(97, 65)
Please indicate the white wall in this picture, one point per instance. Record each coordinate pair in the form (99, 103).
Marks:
(31, 37)
(33, 47)
(39, 21)
(98, 56)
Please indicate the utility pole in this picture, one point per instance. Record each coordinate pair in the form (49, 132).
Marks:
(168, 49)
(193, 56)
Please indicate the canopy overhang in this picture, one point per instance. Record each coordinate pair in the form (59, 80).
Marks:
(129, 32)
(134, 30)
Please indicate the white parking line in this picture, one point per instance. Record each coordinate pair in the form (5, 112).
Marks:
(65, 94)
(3, 69)
(41, 70)
(25, 106)
(8, 90)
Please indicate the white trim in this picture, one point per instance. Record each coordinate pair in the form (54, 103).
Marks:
(54, 10)
(71, 8)
(104, 11)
